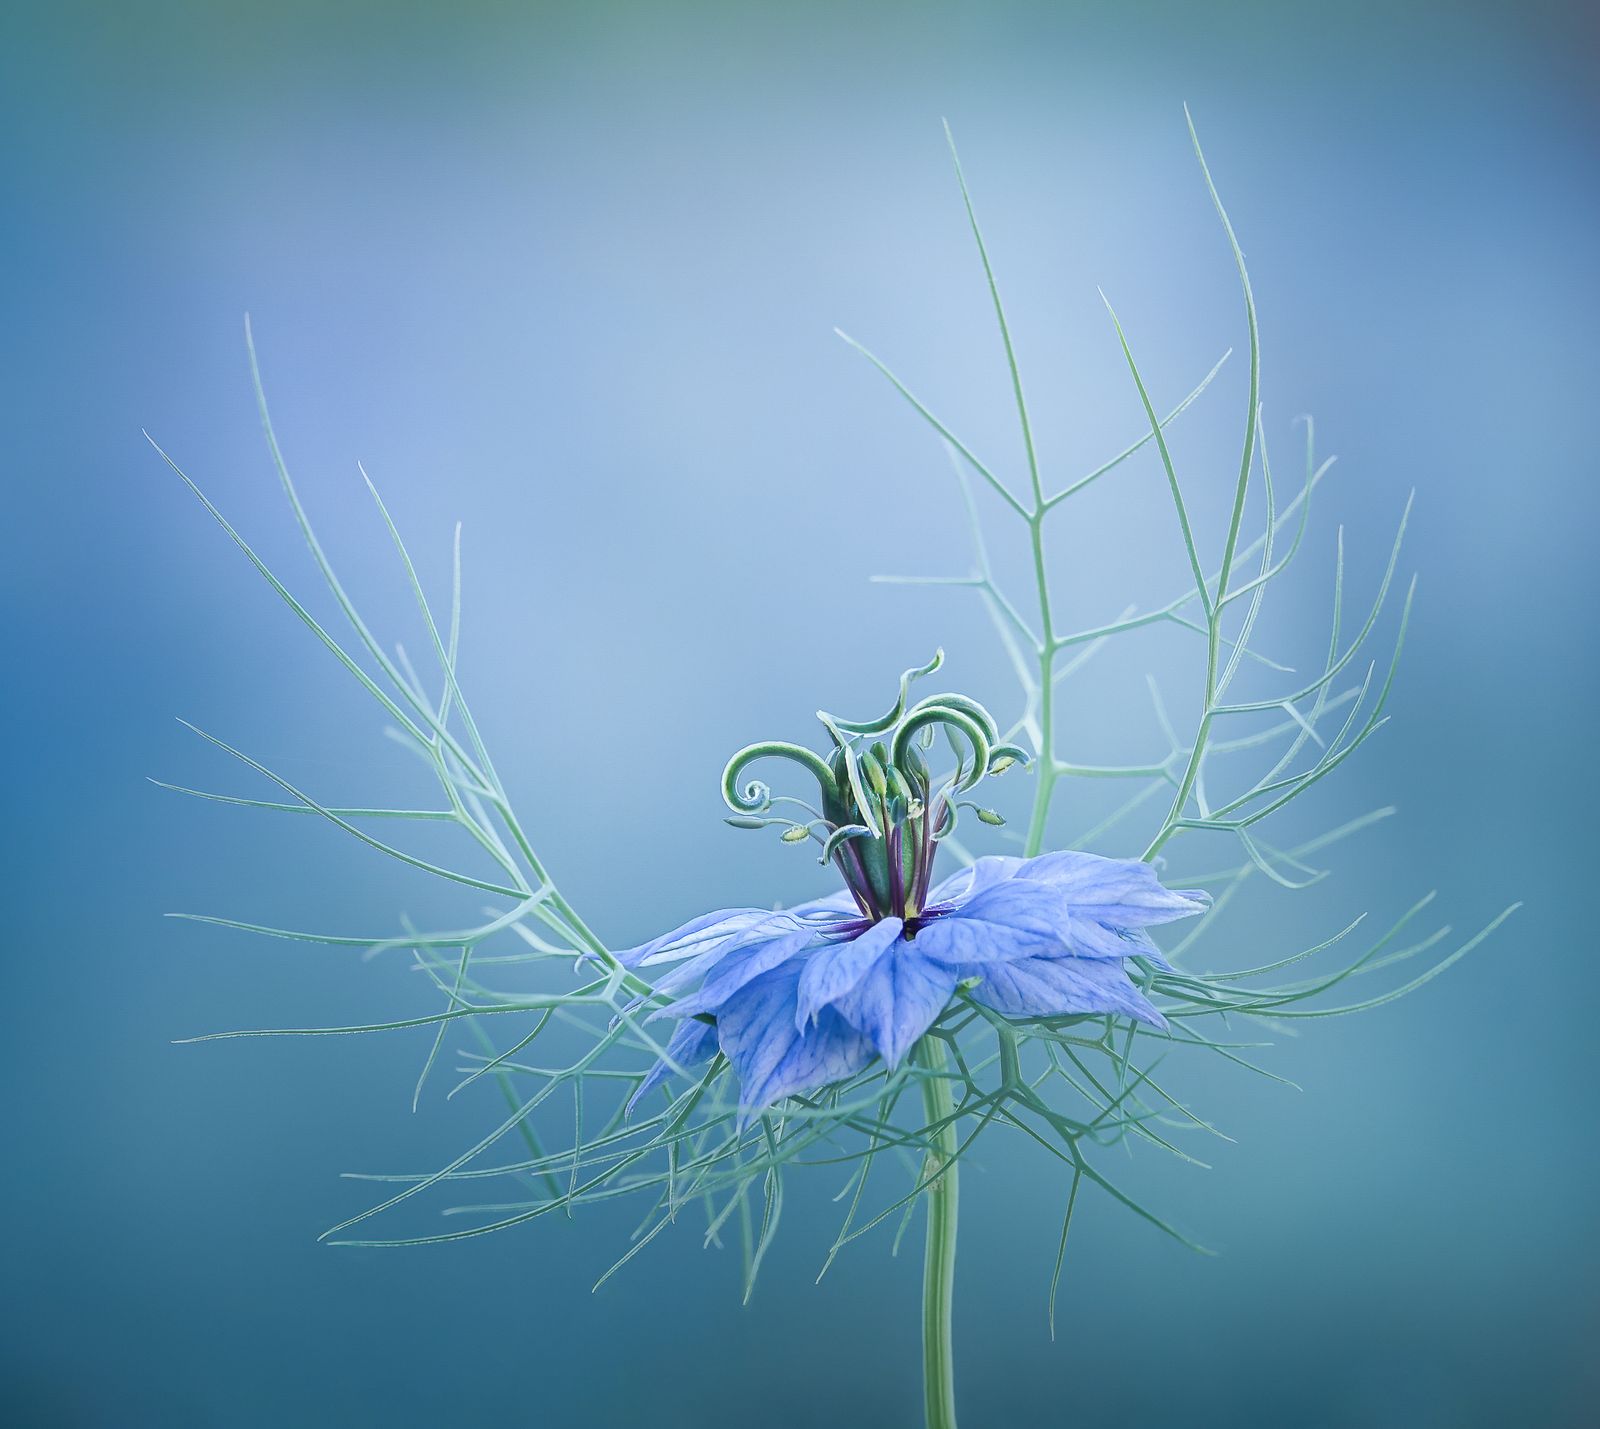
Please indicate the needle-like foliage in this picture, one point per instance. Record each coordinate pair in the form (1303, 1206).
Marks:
(572, 1058)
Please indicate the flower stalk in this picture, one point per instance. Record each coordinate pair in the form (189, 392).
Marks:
(939, 1253)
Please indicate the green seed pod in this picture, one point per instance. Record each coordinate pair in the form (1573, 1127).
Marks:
(872, 771)
(914, 766)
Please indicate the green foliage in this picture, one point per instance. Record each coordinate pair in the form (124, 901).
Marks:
(1071, 1085)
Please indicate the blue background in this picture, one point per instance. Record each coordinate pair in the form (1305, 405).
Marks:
(570, 276)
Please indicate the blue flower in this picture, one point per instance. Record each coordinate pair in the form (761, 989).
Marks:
(805, 997)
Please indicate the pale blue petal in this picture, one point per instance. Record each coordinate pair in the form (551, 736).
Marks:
(1054, 987)
(772, 1057)
(1012, 919)
(685, 974)
(695, 936)
(898, 999)
(972, 880)
(1120, 892)
(737, 966)
(834, 903)
(692, 1043)
(833, 970)
(1087, 937)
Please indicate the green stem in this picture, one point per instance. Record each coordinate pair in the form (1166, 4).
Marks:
(939, 1259)
(1048, 769)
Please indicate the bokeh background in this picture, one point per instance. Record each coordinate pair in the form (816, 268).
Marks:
(570, 275)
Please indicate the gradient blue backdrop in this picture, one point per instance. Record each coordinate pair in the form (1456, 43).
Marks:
(570, 276)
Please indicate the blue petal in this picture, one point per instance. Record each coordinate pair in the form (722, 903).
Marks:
(1087, 937)
(685, 974)
(1013, 919)
(695, 936)
(1119, 892)
(898, 999)
(736, 966)
(833, 970)
(692, 1043)
(771, 1056)
(968, 882)
(840, 903)
(1053, 987)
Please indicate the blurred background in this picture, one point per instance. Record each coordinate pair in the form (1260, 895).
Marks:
(570, 275)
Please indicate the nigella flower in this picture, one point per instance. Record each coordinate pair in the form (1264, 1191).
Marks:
(801, 998)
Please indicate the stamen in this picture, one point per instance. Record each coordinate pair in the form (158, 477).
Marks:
(882, 818)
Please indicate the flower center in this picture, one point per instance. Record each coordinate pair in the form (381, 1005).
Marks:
(884, 806)
(886, 817)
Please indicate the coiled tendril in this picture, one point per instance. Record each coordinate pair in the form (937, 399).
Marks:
(882, 812)
(756, 796)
